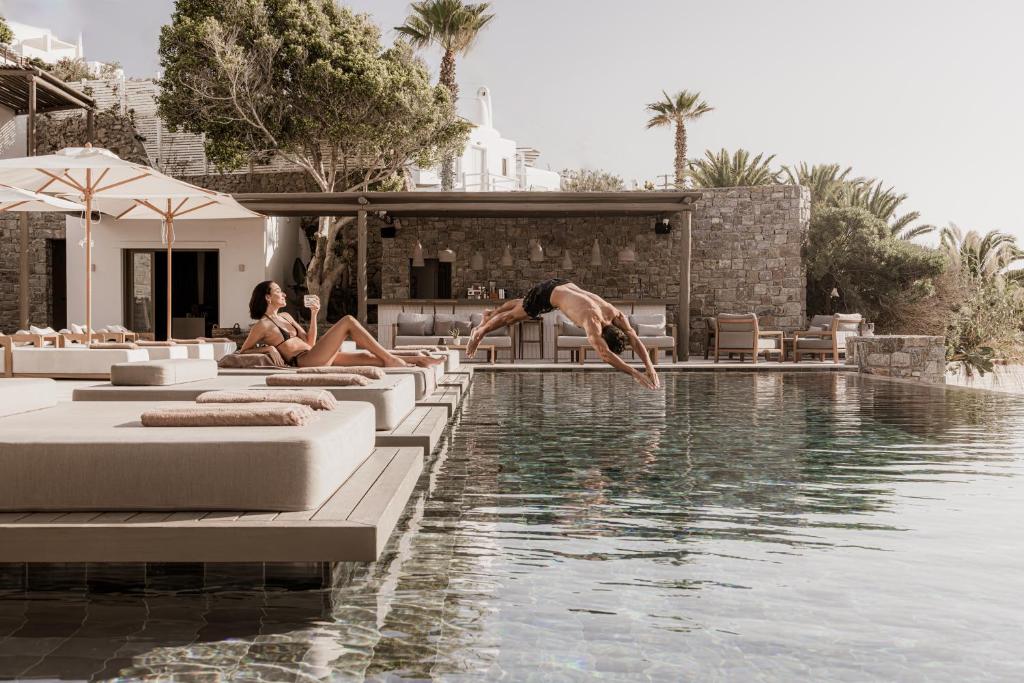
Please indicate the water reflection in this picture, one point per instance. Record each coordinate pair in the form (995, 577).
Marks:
(734, 526)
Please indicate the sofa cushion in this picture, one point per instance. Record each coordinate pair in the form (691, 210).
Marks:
(98, 456)
(445, 322)
(21, 395)
(162, 372)
(650, 330)
(478, 318)
(659, 342)
(568, 329)
(638, 319)
(415, 324)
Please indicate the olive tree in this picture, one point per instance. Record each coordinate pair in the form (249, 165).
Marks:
(307, 81)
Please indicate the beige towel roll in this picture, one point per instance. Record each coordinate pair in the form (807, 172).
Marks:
(332, 380)
(364, 370)
(113, 345)
(256, 415)
(155, 343)
(416, 347)
(408, 352)
(317, 399)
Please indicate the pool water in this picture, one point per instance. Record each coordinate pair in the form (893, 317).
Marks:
(734, 526)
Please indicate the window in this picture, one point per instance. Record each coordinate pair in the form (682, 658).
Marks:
(432, 281)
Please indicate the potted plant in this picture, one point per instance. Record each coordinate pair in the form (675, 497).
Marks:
(456, 335)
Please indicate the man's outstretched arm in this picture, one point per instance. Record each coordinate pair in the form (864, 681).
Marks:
(599, 344)
(639, 350)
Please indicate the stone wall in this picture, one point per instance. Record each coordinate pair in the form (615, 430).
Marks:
(746, 255)
(41, 227)
(917, 357)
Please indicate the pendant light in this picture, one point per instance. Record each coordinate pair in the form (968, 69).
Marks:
(477, 262)
(595, 254)
(566, 261)
(627, 255)
(506, 258)
(446, 256)
(417, 255)
(536, 251)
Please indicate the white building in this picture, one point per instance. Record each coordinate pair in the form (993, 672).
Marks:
(490, 162)
(33, 42)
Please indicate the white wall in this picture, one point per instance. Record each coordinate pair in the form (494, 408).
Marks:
(12, 134)
(251, 250)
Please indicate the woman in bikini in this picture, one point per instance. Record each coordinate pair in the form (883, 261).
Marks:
(277, 330)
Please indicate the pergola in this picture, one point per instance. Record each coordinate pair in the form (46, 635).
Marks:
(676, 205)
(28, 91)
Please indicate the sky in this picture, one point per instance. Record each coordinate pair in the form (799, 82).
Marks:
(924, 94)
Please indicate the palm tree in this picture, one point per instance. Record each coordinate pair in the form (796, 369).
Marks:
(676, 110)
(984, 257)
(825, 181)
(454, 26)
(832, 187)
(721, 170)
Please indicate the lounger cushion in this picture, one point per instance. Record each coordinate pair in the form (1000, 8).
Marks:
(162, 372)
(393, 397)
(246, 360)
(21, 395)
(73, 361)
(178, 351)
(98, 456)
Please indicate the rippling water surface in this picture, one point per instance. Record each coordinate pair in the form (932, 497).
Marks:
(574, 526)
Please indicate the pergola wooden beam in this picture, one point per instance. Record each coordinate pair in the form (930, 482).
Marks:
(677, 205)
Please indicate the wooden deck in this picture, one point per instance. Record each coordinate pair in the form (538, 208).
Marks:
(353, 525)
(422, 428)
(447, 396)
(460, 380)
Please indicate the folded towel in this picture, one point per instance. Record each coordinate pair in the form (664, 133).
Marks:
(143, 342)
(317, 399)
(246, 360)
(364, 370)
(416, 347)
(334, 380)
(258, 415)
(113, 345)
(190, 341)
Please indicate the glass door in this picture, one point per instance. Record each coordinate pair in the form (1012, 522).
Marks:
(140, 291)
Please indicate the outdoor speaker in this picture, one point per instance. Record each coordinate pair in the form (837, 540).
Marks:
(662, 226)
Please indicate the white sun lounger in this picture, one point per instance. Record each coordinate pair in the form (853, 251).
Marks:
(98, 456)
(73, 363)
(393, 397)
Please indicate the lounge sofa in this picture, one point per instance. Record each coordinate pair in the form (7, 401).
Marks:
(86, 456)
(654, 332)
(414, 329)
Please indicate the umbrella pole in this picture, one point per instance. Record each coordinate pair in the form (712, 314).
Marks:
(170, 243)
(88, 256)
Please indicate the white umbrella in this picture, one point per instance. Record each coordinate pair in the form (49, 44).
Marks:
(16, 199)
(84, 174)
(201, 204)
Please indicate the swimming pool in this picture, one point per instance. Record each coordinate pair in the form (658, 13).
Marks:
(735, 526)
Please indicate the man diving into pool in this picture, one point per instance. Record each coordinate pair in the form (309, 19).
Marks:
(607, 329)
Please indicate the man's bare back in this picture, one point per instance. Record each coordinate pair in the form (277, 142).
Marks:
(602, 322)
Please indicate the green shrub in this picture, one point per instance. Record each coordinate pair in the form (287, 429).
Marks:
(854, 253)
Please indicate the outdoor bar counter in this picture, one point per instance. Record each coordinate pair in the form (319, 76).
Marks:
(388, 310)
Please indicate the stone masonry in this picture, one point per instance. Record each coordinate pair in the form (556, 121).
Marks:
(917, 357)
(746, 255)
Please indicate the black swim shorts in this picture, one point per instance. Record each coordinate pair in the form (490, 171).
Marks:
(537, 301)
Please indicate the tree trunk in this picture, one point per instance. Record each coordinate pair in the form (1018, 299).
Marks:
(680, 155)
(447, 79)
(326, 266)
